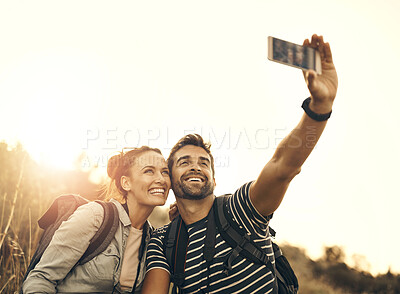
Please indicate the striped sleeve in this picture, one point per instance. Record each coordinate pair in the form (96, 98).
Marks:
(246, 214)
(155, 251)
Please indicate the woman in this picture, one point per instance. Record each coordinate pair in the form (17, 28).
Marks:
(141, 178)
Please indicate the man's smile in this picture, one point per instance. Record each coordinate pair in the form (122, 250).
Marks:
(194, 179)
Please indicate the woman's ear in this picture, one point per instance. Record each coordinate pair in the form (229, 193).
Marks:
(125, 183)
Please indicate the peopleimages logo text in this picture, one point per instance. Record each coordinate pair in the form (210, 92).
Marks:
(164, 138)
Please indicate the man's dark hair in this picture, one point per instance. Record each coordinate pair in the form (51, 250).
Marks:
(191, 139)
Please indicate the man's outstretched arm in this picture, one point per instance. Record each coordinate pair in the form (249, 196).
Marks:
(268, 190)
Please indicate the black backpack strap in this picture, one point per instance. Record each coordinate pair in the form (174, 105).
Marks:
(238, 239)
(209, 241)
(209, 244)
(169, 245)
(147, 231)
(169, 242)
(175, 250)
(284, 272)
(105, 234)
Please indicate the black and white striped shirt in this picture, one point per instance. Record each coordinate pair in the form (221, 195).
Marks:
(245, 276)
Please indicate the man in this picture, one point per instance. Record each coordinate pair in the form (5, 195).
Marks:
(192, 173)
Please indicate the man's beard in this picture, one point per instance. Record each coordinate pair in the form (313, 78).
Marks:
(184, 191)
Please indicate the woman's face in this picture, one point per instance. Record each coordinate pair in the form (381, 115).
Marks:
(149, 181)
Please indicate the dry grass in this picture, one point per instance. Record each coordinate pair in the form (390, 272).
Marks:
(16, 259)
(23, 201)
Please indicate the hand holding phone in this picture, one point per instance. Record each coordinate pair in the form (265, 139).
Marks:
(294, 55)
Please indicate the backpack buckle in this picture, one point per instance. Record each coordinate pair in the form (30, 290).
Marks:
(178, 279)
(225, 226)
(227, 268)
(170, 243)
(245, 239)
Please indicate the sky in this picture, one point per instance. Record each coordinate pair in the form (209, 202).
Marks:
(92, 77)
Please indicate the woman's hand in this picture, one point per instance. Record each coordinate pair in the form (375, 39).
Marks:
(173, 211)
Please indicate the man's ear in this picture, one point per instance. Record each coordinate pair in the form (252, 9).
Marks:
(215, 183)
(125, 183)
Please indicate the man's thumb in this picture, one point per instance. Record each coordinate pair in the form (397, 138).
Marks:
(311, 75)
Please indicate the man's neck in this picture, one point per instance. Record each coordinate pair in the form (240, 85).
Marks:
(192, 211)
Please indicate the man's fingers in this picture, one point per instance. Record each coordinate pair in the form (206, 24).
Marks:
(321, 49)
(314, 41)
(310, 76)
(318, 43)
(328, 52)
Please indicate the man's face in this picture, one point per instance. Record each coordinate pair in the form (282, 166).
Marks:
(192, 176)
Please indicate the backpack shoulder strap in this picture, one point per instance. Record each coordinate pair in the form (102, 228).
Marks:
(175, 250)
(105, 234)
(60, 210)
(170, 241)
(237, 237)
(210, 239)
(286, 277)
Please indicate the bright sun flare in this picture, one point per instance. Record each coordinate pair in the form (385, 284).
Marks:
(59, 86)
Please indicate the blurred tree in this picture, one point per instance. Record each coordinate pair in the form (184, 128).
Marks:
(334, 254)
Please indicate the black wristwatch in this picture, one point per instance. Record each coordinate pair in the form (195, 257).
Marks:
(312, 114)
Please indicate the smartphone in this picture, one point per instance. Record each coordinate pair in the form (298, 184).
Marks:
(294, 55)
